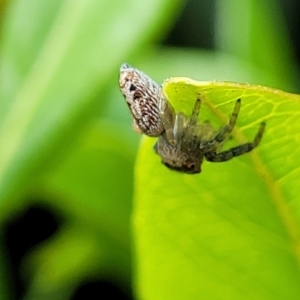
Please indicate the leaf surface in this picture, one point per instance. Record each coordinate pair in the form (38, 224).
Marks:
(232, 231)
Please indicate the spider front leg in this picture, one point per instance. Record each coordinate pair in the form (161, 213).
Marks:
(236, 151)
(190, 140)
(195, 113)
(226, 130)
(167, 117)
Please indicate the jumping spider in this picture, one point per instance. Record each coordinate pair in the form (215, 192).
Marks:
(182, 141)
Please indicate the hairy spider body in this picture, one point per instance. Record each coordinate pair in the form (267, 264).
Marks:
(182, 143)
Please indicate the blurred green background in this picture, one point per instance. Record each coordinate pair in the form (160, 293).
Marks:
(67, 149)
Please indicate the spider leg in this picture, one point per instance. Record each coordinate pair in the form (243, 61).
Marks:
(195, 113)
(167, 116)
(179, 125)
(236, 151)
(226, 130)
(190, 133)
(184, 126)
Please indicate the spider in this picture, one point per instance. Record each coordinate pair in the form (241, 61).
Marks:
(195, 141)
(182, 143)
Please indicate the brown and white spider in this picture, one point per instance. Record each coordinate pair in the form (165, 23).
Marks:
(182, 141)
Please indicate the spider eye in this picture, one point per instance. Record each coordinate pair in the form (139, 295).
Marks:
(132, 88)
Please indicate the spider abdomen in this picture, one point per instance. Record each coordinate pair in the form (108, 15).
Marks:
(142, 96)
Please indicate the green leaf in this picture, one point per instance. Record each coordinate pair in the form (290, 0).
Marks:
(232, 231)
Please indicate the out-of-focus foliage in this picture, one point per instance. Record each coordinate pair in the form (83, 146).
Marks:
(65, 132)
(62, 143)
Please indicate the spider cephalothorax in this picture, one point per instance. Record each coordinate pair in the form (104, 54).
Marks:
(182, 141)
